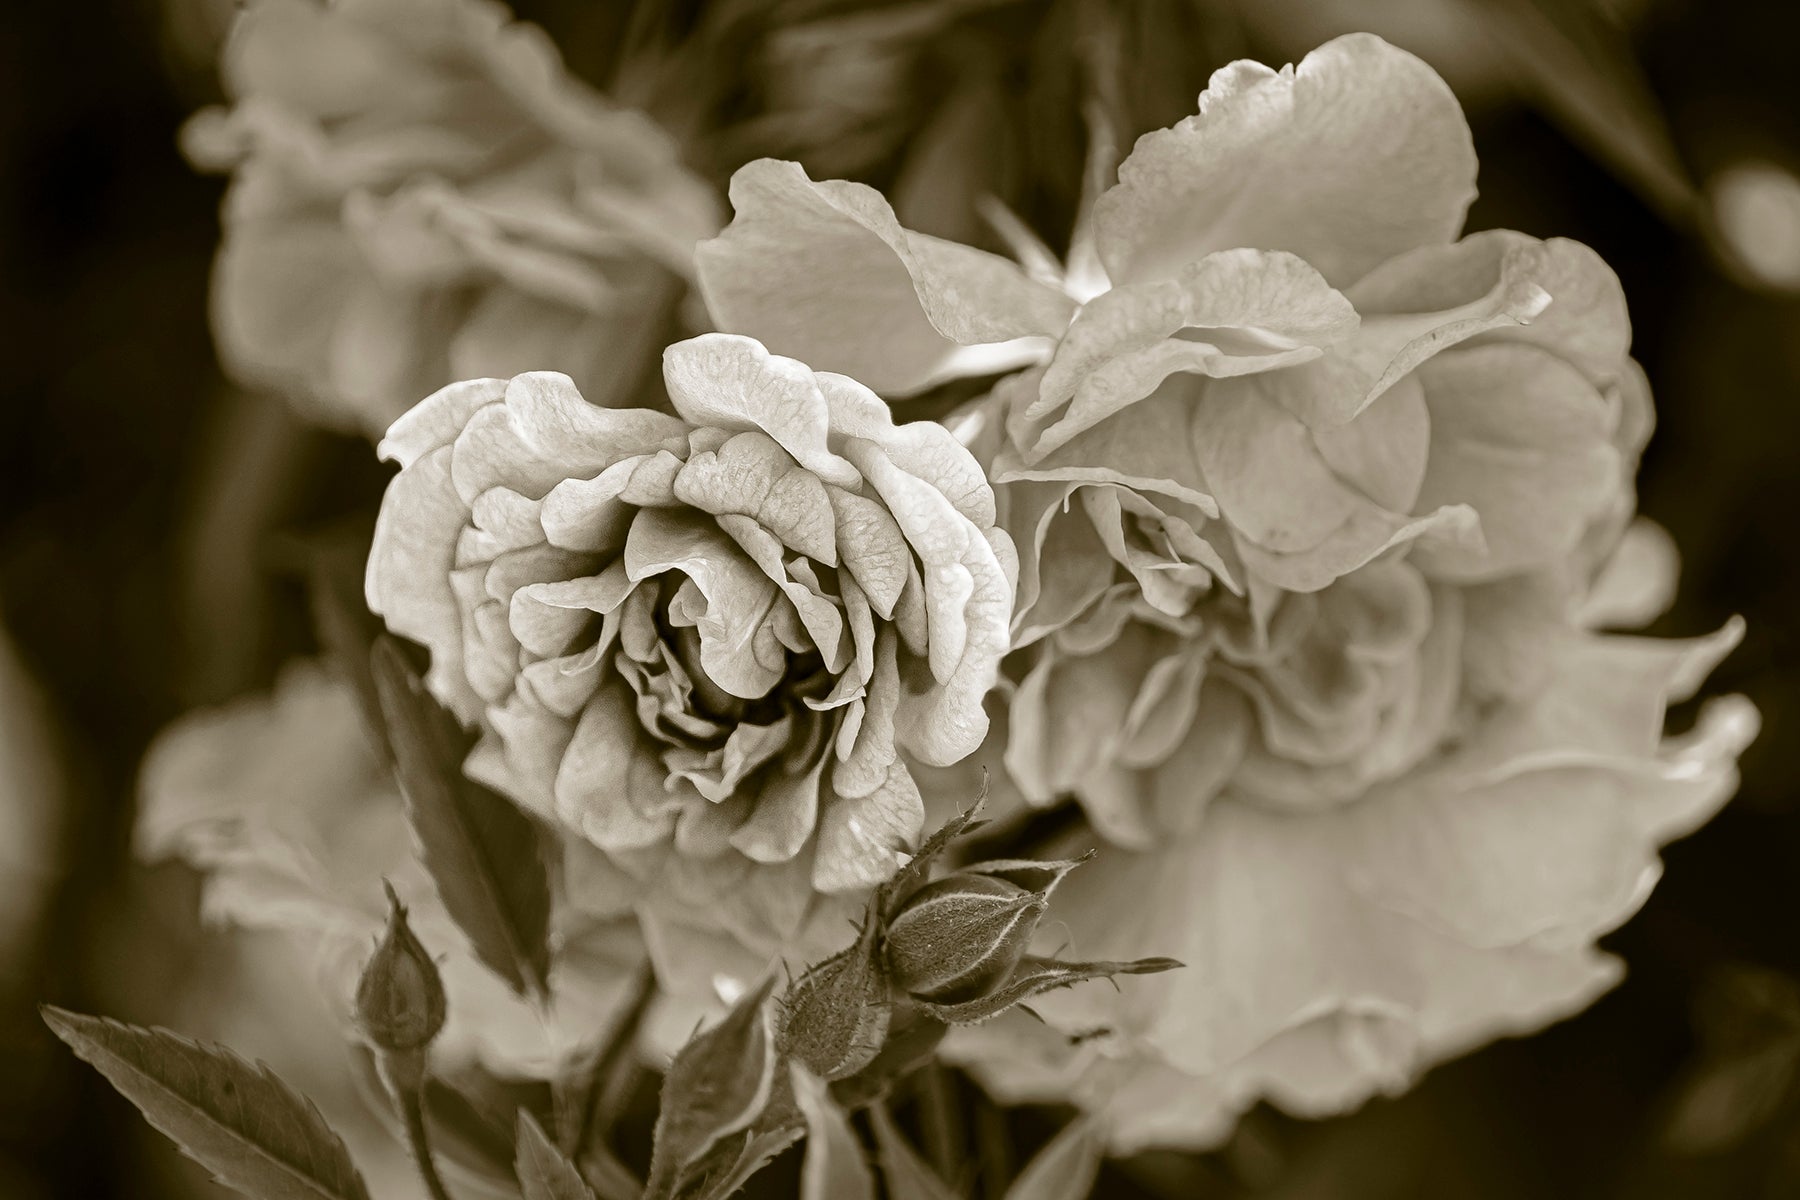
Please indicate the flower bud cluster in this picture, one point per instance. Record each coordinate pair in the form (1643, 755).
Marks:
(950, 951)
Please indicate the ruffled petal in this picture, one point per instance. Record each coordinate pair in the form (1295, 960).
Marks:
(1523, 439)
(824, 272)
(1359, 154)
(1231, 313)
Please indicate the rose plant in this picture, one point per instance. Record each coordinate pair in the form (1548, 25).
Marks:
(1281, 558)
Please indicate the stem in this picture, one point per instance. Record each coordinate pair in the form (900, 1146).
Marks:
(574, 1121)
(996, 1147)
(939, 1120)
(404, 1075)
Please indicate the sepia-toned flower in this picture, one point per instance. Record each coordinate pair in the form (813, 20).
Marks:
(1315, 507)
(702, 641)
(421, 193)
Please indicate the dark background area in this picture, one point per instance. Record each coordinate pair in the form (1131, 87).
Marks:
(121, 437)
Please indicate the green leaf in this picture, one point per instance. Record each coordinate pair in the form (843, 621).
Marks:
(485, 855)
(544, 1174)
(1063, 1170)
(834, 1168)
(237, 1119)
(906, 1175)
(610, 1178)
(718, 1085)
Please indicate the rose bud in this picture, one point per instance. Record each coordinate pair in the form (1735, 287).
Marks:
(961, 937)
(835, 1017)
(400, 998)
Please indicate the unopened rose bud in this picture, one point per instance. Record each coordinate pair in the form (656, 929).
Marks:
(961, 937)
(836, 1015)
(400, 998)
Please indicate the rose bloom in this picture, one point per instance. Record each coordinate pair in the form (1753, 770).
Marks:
(1319, 512)
(420, 194)
(703, 641)
(284, 805)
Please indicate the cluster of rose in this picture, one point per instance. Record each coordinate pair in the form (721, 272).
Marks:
(1275, 562)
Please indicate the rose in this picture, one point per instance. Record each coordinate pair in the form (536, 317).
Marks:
(1310, 500)
(1440, 882)
(702, 641)
(420, 194)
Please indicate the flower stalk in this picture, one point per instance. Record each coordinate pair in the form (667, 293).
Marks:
(401, 1008)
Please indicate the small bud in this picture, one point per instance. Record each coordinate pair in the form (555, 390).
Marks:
(835, 1017)
(400, 998)
(959, 938)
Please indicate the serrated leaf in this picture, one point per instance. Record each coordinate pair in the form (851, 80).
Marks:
(742, 1157)
(731, 1162)
(239, 1120)
(1063, 1170)
(1034, 977)
(483, 852)
(906, 1175)
(834, 1167)
(544, 1174)
(718, 1085)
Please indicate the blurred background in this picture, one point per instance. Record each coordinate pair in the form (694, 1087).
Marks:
(155, 520)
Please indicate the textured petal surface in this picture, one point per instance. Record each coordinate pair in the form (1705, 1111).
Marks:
(1358, 154)
(701, 641)
(823, 271)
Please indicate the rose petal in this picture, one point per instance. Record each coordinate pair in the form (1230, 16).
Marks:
(823, 271)
(1524, 440)
(1231, 313)
(1358, 155)
(730, 382)
(864, 839)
